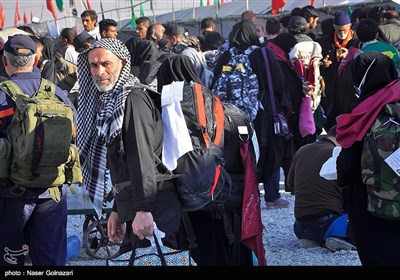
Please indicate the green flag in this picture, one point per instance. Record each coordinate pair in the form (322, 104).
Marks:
(215, 2)
(60, 5)
(141, 9)
(133, 23)
(349, 11)
(201, 3)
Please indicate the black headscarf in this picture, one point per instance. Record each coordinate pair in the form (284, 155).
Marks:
(243, 35)
(285, 41)
(381, 73)
(176, 68)
(212, 41)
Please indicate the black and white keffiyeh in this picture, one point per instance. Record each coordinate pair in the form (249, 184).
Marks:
(100, 117)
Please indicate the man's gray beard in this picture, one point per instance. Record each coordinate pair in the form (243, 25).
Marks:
(104, 88)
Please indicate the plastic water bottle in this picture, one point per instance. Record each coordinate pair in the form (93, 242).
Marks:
(73, 247)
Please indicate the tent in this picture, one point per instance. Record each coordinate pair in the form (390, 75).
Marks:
(229, 13)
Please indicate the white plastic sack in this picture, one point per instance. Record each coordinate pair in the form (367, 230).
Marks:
(328, 170)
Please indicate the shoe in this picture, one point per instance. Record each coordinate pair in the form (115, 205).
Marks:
(336, 244)
(307, 243)
(279, 203)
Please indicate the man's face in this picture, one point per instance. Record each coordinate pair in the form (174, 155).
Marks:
(342, 31)
(260, 31)
(110, 33)
(313, 22)
(88, 23)
(141, 30)
(170, 41)
(105, 68)
(159, 31)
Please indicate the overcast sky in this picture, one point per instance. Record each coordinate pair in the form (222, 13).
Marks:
(39, 10)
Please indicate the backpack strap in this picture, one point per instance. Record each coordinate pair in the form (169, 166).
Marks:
(11, 89)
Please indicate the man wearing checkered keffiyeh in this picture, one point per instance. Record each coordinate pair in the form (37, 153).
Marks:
(120, 128)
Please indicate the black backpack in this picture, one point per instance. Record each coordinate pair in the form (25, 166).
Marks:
(202, 175)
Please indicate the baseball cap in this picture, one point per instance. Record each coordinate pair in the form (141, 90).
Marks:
(174, 30)
(20, 41)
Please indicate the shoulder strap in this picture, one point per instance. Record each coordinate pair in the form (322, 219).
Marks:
(270, 88)
(11, 89)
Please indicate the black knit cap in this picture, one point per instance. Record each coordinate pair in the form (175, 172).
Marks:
(367, 29)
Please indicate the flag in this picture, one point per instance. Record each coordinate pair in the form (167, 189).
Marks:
(277, 5)
(17, 18)
(133, 23)
(89, 6)
(60, 5)
(151, 5)
(102, 9)
(222, 1)
(25, 18)
(51, 8)
(2, 16)
(201, 3)
(141, 9)
(208, 2)
(313, 2)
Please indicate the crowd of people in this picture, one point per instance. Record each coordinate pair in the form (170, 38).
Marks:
(119, 127)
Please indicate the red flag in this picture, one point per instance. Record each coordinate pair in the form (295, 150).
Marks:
(277, 5)
(252, 226)
(222, 1)
(51, 8)
(17, 18)
(25, 18)
(208, 2)
(313, 2)
(2, 16)
(89, 7)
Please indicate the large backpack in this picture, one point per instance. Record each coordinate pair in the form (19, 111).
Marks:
(201, 173)
(238, 84)
(40, 135)
(383, 185)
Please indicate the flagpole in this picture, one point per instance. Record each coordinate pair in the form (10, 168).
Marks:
(247, 5)
(117, 10)
(193, 11)
(152, 3)
(173, 11)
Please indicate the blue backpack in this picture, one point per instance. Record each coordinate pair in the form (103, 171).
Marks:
(238, 84)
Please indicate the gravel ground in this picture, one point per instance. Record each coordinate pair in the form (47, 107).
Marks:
(282, 246)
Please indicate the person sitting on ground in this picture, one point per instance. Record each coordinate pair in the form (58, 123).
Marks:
(318, 202)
